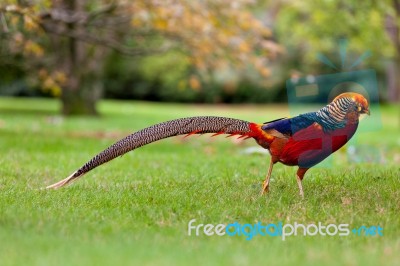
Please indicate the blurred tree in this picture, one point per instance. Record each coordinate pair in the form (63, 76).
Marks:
(315, 26)
(67, 40)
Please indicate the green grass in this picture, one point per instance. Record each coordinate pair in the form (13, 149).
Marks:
(135, 210)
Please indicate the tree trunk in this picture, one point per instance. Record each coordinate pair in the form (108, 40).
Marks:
(393, 68)
(82, 63)
(393, 79)
(81, 100)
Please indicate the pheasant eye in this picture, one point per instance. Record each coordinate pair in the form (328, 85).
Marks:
(359, 108)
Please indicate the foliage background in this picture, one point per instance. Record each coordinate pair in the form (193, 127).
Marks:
(188, 51)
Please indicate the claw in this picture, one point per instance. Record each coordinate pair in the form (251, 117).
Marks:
(265, 188)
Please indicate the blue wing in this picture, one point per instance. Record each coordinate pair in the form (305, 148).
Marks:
(289, 126)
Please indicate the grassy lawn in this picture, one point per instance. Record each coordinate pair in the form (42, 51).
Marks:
(135, 209)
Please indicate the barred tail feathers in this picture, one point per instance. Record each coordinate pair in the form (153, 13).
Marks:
(183, 126)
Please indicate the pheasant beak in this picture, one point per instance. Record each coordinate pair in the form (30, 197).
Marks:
(363, 110)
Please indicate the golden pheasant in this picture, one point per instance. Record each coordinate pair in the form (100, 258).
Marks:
(304, 140)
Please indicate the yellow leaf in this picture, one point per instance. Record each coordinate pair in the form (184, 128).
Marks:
(32, 48)
(160, 24)
(29, 24)
(244, 47)
(194, 83)
(265, 72)
(60, 77)
(56, 91)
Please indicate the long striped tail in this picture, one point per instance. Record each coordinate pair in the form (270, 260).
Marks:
(183, 126)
